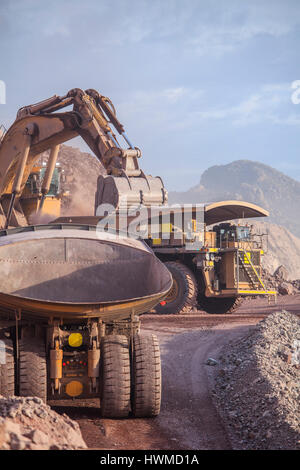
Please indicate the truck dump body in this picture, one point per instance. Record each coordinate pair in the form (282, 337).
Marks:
(75, 272)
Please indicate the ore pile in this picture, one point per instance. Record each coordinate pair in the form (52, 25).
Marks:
(257, 385)
(29, 424)
(280, 281)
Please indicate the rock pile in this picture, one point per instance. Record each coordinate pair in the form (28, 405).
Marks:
(29, 424)
(257, 385)
(281, 282)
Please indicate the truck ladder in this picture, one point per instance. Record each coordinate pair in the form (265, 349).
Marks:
(253, 275)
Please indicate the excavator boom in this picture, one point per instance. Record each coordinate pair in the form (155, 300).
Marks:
(43, 126)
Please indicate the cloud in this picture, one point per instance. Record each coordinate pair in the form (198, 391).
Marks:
(55, 29)
(271, 103)
(181, 108)
(203, 27)
(158, 109)
(174, 94)
(216, 28)
(230, 24)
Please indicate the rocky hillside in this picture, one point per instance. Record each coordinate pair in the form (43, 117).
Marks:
(253, 182)
(281, 248)
(26, 423)
(264, 415)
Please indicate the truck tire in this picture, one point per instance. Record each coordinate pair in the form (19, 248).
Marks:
(115, 377)
(33, 368)
(219, 305)
(7, 368)
(146, 376)
(182, 297)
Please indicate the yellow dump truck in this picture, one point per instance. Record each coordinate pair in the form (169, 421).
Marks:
(215, 265)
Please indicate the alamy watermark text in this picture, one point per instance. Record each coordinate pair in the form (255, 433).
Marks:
(2, 92)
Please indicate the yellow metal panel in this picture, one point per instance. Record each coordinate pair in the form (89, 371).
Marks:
(247, 257)
(52, 206)
(75, 340)
(156, 241)
(74, 388)
(257, 292)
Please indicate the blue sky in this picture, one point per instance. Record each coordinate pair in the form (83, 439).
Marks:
(196, 83)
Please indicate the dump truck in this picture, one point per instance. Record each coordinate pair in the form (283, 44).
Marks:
(69, 317)
(71, 296)
(214, 263)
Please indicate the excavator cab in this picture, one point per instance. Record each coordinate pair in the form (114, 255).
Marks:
(34, 183)
(32, 194)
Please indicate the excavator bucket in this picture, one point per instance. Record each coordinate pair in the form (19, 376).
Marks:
(123, 192)
(75, 272)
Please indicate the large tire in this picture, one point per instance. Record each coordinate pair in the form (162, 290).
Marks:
(146, 377)
(115, 377)
(182, 297)
(219, 305)
(33, 368)
(7, 368)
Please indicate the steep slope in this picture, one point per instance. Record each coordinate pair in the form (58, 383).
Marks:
(253, 182)
(282, 248)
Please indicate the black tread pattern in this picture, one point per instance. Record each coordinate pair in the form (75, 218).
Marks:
(33, 368)
(115, 377)
(146, 389)
(7, 370)
(219, 305)
(188, 291)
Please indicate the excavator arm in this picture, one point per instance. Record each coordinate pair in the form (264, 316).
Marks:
(43, 126)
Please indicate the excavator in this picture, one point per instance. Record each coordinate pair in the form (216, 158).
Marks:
(70, 297)
(68, 312)
(40, 127)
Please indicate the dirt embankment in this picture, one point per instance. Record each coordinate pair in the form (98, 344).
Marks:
(29, 424)
(280, 281)
(257, 386)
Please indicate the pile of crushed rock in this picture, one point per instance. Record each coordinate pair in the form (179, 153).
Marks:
(280, 281)
(257, 385)
(29, 424)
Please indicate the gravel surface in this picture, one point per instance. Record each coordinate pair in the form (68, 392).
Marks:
(192, 417)
(29, 424)
(257, 385)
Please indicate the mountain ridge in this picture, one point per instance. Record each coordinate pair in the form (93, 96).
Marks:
(250, 181)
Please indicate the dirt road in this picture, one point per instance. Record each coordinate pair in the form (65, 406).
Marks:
(188, 419)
